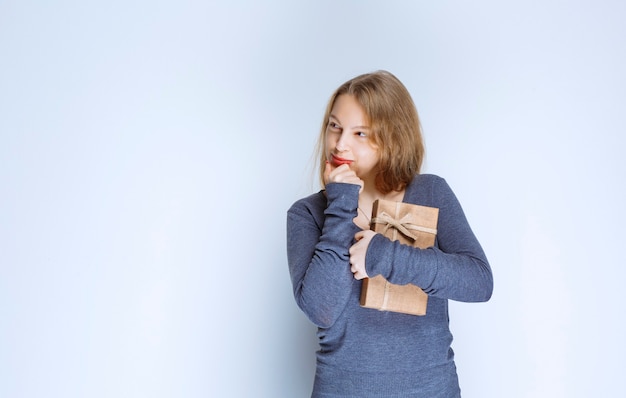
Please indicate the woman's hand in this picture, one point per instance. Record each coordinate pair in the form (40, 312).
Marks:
(342, 174)
(358, 251)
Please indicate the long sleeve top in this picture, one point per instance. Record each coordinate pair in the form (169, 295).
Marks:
(365, 352)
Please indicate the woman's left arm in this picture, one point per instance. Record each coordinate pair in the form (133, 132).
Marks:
(456, 268)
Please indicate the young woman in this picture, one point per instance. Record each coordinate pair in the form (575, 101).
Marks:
(370, 147)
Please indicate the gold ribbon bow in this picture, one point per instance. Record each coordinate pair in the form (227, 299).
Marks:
(404, 226)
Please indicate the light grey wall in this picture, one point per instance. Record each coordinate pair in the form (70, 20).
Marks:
(150, 149)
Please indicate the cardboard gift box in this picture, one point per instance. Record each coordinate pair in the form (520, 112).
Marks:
(413, 225)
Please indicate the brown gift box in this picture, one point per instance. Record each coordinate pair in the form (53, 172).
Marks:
(413, 225)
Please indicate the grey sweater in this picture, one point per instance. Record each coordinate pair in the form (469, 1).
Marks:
(369, 353)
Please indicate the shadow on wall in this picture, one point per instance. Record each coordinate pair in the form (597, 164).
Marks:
(302, 361)
(293, 343)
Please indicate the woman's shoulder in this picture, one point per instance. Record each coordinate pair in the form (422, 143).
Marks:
(315, 200)
(422, 181)
(426, 189)
(428, 178)
(309, 209)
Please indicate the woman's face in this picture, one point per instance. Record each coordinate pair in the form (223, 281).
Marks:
(347, 137)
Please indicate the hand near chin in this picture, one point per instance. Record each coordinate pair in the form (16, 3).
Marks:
(342, 174)
(358, 252)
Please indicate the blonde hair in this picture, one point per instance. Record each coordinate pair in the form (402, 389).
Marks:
(395, 128)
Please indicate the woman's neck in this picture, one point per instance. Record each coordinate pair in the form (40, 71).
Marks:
(366, 201)
(372, 194)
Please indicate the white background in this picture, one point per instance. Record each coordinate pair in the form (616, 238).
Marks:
(150, 149)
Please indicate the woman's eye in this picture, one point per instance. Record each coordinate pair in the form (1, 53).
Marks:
(361, 134)
(333, 125)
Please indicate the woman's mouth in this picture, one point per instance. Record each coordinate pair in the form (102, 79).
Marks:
(337, 161)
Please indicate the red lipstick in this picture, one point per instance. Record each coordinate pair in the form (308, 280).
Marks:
(337, 161)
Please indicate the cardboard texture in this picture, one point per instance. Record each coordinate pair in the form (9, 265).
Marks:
(413, 225)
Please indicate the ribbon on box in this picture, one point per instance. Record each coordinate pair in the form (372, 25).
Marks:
(403, 225)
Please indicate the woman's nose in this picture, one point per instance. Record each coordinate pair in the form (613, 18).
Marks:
(342, 144)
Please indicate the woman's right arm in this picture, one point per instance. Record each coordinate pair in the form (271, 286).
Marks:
(317, 253)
